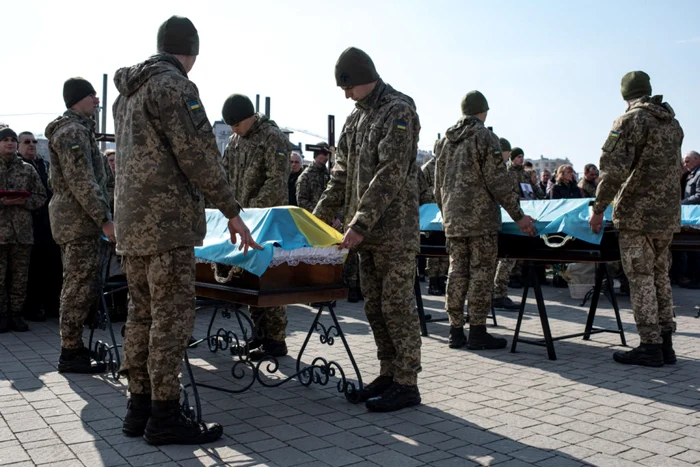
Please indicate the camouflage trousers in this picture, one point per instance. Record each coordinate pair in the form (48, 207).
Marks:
(352, 269)
(472, 268)
(502, 277)
(84, 261)
(160, 321)
(14, 276)
(270, 322)
(387, 278)
(645, 260)
(437, 267)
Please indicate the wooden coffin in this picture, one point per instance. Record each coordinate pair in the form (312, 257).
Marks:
(279, 285)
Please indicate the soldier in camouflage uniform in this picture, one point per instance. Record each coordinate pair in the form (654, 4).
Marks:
(470, 182)
(643, 150)
(16, 233)
(589, 182)
(166, 166)
(374, 180)
(522, 176)
(437, 267)
(257, 163)
(80, 215)
(313, 180)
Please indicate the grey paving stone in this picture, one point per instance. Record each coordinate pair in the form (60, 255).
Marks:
(288, 456)
(50, 454)
(337, 457)
(12, 455)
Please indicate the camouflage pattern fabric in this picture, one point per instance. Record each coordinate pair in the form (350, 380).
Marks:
(14, 274)
(520, 175)
(387, 286)
(16, 224)
(84, 262)
(428, 170)
(472, 269)
(502, 277)
(645, 260)
(271, 322)
(471, 181)
(639, 168)
(311, 185)
(351, 271)
(257, 165)
(587, 188)
(160, 321)
(425, 191)
(167, 162)
(437, 267)
(79, 206)
(374, 178)
(109, 185)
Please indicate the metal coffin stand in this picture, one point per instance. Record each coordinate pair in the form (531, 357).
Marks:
(280, 285)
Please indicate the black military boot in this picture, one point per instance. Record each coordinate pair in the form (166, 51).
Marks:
(79, 361)
(505, 304)
(479, 339)
(17, 324)
(434, 286)
(169, 425)
(375, 388)
(269, 348)
(397, 397)
(644, 355)
(457, 337)
(138, 411)
(4, 324)
(667, 348)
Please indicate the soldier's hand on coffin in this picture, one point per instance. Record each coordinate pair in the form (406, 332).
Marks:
(596, 222)
(237, 226)
(351, 239)
(108, 230)
(527, 225)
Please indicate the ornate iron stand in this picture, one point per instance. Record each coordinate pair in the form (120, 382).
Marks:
(101, 351)
(320, 371)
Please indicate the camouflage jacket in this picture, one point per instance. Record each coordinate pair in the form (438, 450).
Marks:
(428, 171)
(167, 162)
(375, 175)
(257, 165)
(311, 185)
(471, 181)
(16, 221)
(79, 206)
(587, 188)
(520, 175)
(639, 168)
(109, 186)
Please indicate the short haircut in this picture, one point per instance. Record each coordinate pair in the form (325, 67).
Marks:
(24, 133)
(301, 159)
(689, 153)
(528, 164)
(589, 167)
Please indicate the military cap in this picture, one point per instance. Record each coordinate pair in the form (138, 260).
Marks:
(178, 36)
(75, 90)
(505, 144)
(237, 108)
(354, 67)
(516, 152)
(8, 132)
(634, 85)
(474, 103)
(325, 149)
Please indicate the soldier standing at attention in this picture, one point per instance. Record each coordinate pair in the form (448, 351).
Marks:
(470, 182)
(505, 266)
(16, 233)
(257, 163)
(643, 155)
(589, 183)
(167, 164)
(80, 215)
(313, 180)
(436, 267)
(374, 180)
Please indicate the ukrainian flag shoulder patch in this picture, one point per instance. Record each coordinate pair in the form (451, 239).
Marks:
(614, 134)
(281, 152)
(75, 146)
(193, 105)
(401, 125)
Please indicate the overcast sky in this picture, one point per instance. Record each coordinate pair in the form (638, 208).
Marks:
(550, 69)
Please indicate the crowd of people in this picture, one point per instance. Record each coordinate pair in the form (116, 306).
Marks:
(167, 167)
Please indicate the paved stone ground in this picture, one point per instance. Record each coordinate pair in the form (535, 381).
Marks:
(488, 408)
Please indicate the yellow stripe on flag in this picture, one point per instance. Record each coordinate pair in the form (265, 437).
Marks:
(318, 233)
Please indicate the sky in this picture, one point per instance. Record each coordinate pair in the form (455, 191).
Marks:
(550, 70)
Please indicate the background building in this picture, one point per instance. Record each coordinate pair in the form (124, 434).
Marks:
(549, 164)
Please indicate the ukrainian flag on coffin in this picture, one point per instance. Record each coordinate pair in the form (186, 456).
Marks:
(285, 227)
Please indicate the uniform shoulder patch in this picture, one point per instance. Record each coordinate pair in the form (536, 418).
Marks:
(614, 134)
(194, 105)
(401, 125)
(281, 152)
(197, 115)
(74, 147)
(612, 141)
